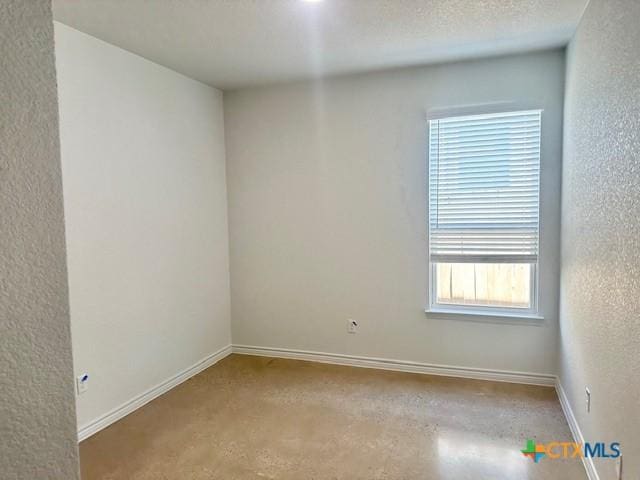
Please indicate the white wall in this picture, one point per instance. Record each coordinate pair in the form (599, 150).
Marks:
(327, 209)
(600, 301)
(37, 416)
(145, 201)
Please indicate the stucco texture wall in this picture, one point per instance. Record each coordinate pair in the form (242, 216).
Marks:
(37, 417)
(600, 275)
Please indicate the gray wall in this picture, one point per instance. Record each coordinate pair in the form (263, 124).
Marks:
(327, 212)
(37, 418)
(600, 287)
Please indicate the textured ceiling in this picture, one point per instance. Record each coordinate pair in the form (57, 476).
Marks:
(236, 43)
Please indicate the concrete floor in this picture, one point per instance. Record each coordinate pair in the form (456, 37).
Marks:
(264, 418)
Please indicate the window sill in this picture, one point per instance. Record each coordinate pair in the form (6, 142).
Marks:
(477, 314)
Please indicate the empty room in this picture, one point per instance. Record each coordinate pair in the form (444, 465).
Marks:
(320, 239)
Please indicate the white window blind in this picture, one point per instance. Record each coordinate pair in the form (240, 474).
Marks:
(484, 178)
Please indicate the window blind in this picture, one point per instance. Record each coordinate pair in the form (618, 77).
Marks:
(484, 179)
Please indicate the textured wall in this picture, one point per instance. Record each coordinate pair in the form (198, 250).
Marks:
(37, 420)
(600, 292)
(327, 209)
(143, 165)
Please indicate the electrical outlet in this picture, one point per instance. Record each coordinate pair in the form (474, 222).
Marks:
(588, 394)
(352, 326)
(82, 383)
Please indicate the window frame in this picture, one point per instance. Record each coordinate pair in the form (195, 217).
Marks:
(435, 307)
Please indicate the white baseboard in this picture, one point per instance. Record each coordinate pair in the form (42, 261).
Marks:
(128, 407)
(589, 466)
(399, 365)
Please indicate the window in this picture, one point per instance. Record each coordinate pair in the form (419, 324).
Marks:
(484, 179)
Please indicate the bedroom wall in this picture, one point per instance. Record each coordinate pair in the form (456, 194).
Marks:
(37, 415)
(143, 163)
(327, 212)
(600, 303)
